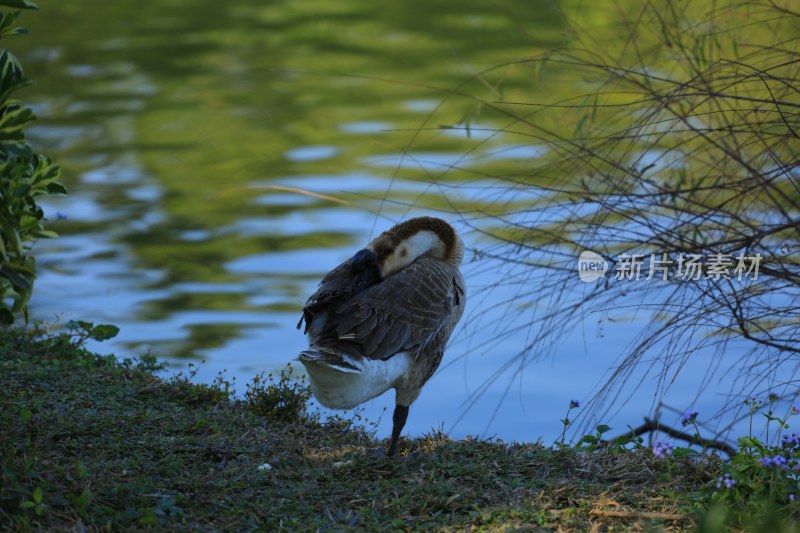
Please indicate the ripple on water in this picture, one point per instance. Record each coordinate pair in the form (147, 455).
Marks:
(311, 153)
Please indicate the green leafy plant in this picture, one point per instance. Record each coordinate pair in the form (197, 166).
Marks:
(764, 475)
(590, 443)
(566, 423)
(757, 488)
(284, 398)
(36, 503)
(184, 389)
(24, 176)
(81, 330)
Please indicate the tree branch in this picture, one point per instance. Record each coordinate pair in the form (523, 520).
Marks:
(651, 426)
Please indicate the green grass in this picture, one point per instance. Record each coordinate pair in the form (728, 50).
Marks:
(88, 441)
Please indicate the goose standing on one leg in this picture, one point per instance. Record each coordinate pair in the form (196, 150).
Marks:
(382, 319)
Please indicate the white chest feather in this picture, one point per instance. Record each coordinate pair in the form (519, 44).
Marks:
(340, 388)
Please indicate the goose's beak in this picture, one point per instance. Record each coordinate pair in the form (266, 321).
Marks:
(364, 267)
(364, 260)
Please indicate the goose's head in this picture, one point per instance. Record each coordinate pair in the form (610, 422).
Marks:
(402, 244)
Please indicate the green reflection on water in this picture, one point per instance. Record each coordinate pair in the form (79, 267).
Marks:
(164, 116)
(162, 113)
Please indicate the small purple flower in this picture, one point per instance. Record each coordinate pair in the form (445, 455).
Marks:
(574, 404)
(778, 462)
(795, 410)
(792, 497)
(727, 481)
(662, 449)
(792, 441)
(689, 418)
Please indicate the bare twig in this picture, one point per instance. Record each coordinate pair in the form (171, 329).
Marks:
(652, 426)
(640, 514)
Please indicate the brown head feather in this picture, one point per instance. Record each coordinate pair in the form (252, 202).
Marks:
(454, 248)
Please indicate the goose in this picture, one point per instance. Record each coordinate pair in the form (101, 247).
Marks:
(382, 319)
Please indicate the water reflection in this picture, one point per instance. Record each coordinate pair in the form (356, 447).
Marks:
(171, 128)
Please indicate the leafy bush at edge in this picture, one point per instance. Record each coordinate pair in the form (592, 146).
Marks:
(24, 175)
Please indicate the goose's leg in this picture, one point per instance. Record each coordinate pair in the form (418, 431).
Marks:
(398, 421)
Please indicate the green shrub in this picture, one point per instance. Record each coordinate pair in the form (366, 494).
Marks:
(185, 390)
(284, 398)
(24, 175)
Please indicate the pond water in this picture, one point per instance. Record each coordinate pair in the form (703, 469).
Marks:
(190, 133)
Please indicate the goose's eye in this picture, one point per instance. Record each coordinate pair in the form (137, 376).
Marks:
(403, 252)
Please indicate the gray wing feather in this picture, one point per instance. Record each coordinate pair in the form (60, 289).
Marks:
(335, 286)
(403, 313)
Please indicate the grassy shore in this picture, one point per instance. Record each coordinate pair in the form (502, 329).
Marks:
(91, 442)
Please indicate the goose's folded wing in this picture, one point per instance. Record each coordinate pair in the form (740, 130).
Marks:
(404, 312)
(336, 284)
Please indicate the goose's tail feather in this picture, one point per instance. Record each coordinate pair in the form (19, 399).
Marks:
(332, 360)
